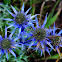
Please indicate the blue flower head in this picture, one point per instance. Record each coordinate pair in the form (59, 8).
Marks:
(21, 18)
(8, 43)
(40, 35)
(56, 39)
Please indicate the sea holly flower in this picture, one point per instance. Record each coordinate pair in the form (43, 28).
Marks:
(56, 39)
(40, 35)
(8, 43)
(21, 19)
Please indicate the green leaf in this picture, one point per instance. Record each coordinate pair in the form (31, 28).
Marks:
(53, 19)
(33, 6)
(7, 1)
(56, 56)
(52, 57)
(33, 1)
(51, 13)
(25, 58)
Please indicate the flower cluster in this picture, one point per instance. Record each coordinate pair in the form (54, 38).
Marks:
(38, 38)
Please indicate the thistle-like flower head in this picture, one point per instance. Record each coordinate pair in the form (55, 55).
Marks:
(21, 18)
(40, 35)
(5, 44)
(8, 43)
(56, 39)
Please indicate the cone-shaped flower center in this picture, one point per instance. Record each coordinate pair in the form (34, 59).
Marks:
(39, 34)
(6, 44)
(20, 18)
(55, 40)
